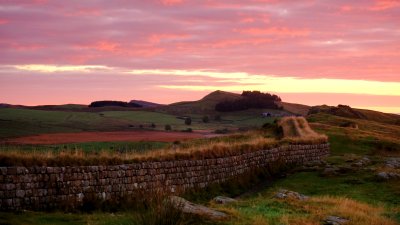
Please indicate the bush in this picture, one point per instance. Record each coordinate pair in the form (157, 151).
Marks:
(221, 131)
(160, 210)
(205, 119)
(168, 127)
(153, 125)
(217, 118)
(188, 130)
(188, 121)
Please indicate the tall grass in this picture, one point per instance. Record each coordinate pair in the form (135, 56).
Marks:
(356, 212)
(296, 128)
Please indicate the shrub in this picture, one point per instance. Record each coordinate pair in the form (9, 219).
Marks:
(217, 118)
(205, 119)
(153, 125)
(221, 131)
(188, 130)
(188, 121)
(168, 127)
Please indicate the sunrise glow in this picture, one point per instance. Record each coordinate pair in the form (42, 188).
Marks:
(168, 51)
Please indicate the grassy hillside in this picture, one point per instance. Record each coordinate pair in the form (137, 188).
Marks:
(22, 122)
(348, 112)
(297, 109)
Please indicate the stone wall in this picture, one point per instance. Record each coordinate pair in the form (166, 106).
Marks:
(48, 187)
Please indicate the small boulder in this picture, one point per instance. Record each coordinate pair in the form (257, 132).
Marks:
(199, 210)
(393, 163)
(362, 162)
(286, 194)
(384, 176)
(335, 220)
(223, 200)
(329, 171)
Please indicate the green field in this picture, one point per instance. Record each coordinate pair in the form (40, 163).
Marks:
(23, 122)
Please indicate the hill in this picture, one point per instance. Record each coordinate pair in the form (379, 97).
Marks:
(206, 105)
(348, 112)
(145, 104)
(294, 108)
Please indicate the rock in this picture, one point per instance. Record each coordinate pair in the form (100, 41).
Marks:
(335, 220)
(223, 200)
(284, 194)
(329, 171)
(393, 163)
(384, 176)
(362, 162)
(200, 210)
(345, 169)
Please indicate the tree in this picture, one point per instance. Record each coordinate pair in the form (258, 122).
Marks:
(168, 127)
(205, 119)
(188, 121)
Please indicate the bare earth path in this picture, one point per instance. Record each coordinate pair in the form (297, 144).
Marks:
(62, 138)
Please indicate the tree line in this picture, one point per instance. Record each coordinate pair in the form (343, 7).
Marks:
(114, 103)
(250, 99)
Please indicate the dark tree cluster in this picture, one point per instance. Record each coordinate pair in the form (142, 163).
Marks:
(249, 100)
(114, 103)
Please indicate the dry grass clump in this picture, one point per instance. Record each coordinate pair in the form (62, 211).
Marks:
(297, 128)
(320, 207)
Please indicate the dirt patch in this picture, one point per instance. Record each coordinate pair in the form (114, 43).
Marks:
(62, 138)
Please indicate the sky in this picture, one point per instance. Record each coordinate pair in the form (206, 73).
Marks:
(307, 51)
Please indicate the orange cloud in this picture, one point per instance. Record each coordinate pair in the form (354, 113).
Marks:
(381, 5)
(171, 2)
(106, 46)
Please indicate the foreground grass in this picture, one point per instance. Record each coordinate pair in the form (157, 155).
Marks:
(59, 218)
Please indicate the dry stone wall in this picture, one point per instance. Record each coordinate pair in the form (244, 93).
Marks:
(48, 187)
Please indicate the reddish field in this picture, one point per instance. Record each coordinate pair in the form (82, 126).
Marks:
(61, 138)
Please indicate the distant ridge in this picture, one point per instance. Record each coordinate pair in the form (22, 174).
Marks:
(145, 104)
(349, 112)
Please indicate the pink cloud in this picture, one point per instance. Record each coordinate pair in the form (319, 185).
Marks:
(306, 38)
(4, 21)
